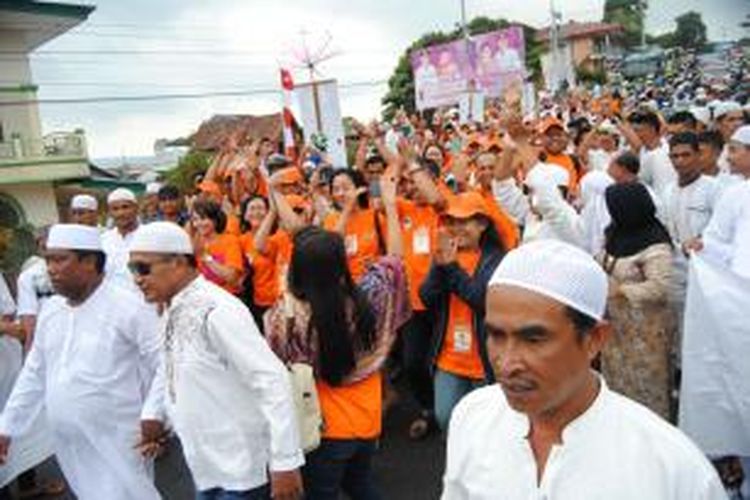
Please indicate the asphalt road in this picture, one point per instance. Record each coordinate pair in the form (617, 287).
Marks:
(404, 469)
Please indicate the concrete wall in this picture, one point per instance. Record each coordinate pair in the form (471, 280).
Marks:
(37, 201)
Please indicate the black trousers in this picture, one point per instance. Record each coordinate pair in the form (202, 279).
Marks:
(416, 347)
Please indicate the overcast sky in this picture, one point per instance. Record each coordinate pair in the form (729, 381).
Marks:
(236, 45)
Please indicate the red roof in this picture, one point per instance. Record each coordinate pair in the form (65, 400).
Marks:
(573, 30)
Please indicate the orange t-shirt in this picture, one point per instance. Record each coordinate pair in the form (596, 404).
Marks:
(459, 353)
(224, 249)
(265, 281)
(233, 225)
(280, 247)
(419, 226)
(360, 238)
(352, 411)
(566, 162)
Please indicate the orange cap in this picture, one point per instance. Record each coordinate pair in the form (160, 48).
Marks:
(466, 205)
(291, 175)
(548, 123)
(210, 187)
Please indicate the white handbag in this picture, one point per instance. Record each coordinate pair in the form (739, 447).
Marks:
(307, 405)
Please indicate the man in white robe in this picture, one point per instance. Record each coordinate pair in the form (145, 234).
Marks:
(91, 370)
(550, 428)
(227, 395)
(123, 209)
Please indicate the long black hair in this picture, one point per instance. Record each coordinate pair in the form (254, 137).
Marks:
(341, 314)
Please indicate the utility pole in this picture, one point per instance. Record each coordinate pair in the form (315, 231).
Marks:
(642, 5)
(555, 46)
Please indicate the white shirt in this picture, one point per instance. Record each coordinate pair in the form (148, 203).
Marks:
(34, 287)
(616, 450)
(656, 168)
(727, 237)
(117, 248)
(689, 208)
(599, 160)
(91, 369)
(228, 395)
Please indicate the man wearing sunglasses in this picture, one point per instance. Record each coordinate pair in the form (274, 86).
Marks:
(227, 395)
(91, 370)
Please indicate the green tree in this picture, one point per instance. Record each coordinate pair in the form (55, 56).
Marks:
(630, 14)
(193, 163)
(691, 31)
(401, 83)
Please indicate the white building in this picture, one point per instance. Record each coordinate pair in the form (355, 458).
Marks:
(31, 162)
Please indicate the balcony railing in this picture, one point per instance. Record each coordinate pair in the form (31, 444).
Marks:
(58, 145)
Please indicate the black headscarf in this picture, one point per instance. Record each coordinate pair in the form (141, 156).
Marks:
(634, 224)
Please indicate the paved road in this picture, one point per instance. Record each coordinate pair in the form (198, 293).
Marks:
(405, 470)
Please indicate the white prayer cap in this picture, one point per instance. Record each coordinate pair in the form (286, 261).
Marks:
(557, 270)
(742, 135)
(153, 188)
(84, 202)
(162, 237)
(725, 107)
(74, 237)
(547, 174)
(702, 114)
(121, 194)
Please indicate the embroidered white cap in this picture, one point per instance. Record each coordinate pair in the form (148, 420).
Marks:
(742, 135)
(84, 202)
(725, 107)
(74, 237)
(121, 194)
(557, 270)
(162, 237)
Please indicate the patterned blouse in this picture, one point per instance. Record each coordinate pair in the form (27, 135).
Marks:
(385, 286)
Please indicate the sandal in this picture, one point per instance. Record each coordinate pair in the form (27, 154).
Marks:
(51, 488)
(422, 426)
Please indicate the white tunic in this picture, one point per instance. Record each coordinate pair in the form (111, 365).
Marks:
(34, 287)
(89, 368)
(689, 208)
(727, 237)
(228, 396)
(117, 248)
(656, 168)
(616, 450)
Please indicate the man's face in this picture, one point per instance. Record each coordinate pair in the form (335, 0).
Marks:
(645, 132)
(486, 169)
(730, 122)
(123, 213)
(686, 161)
(169, 206)
(709, 157)
(373, 171)
(555, 140)
(83, 216)
(535, 351)
(155, 275)
(151, 203)
(739, 158)
(65, 269)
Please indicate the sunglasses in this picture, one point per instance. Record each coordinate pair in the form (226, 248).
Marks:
(143, 268)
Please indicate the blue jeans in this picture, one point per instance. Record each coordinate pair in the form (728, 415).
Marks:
(262, 493)
(340, 465)
(449, 389)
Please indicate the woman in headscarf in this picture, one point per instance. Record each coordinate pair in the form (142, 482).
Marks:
(638, 258)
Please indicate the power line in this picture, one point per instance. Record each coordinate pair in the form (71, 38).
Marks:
(162, 97)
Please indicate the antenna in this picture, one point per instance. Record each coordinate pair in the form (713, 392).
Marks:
(309, 55)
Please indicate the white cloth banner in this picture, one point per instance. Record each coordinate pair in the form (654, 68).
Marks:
(35, 446)
(715, 395)
(320, 112)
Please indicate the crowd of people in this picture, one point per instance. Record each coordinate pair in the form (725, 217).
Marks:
(531, 279)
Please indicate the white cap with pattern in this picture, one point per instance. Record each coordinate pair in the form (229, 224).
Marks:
(559, 271)
(74, 237)
(162, 237)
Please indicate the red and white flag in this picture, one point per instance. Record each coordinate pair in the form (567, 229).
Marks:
(287, 86)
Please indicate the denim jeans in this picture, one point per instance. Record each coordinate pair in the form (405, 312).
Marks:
(340, 465)
(262, 493)
(449, 389)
